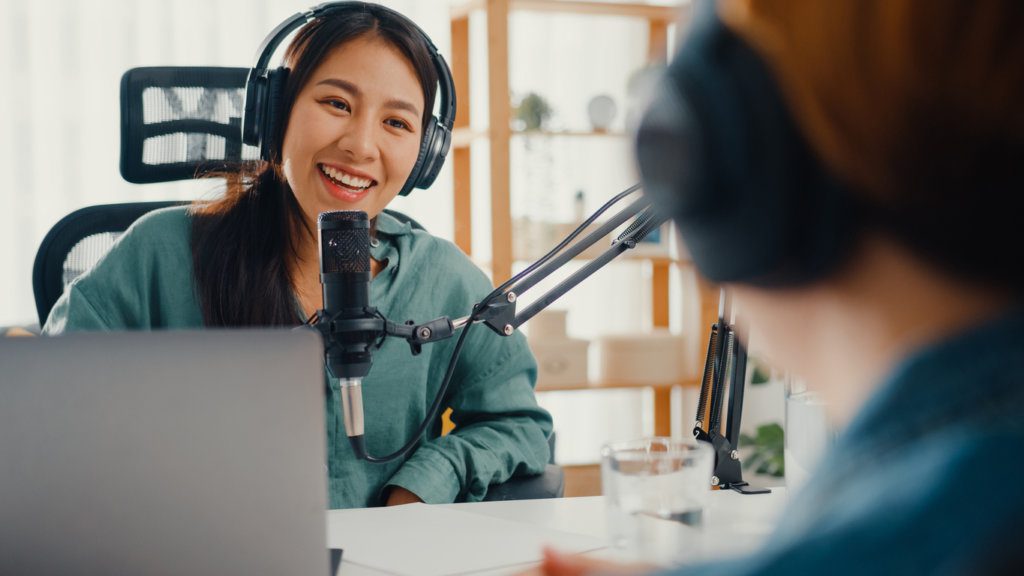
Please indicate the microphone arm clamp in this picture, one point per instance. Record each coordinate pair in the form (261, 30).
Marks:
(498, 316)
(419, 334)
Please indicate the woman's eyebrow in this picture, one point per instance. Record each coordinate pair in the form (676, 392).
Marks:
(343, 84)
(397, 104)
(394, 103)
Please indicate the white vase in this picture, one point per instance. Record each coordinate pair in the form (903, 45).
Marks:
(808, 436)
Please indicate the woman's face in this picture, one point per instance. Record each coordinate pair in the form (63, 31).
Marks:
(354, 130)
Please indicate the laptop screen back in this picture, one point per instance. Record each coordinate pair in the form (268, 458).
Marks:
(163, 452)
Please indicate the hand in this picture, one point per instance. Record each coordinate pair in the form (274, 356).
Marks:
(558, 564)
(399, 496)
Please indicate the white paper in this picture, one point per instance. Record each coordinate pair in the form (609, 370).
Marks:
(423, 540)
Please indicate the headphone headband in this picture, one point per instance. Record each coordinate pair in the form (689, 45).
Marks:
(271, 42)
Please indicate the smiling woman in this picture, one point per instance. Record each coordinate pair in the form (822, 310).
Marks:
(354, 130)
(351, 129)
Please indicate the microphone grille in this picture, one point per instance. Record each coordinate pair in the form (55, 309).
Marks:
(344, 242)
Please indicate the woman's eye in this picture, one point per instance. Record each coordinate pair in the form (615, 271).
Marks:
(400, 124)
(339, 104)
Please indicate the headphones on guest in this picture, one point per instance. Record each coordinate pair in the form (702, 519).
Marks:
(264, 95)
(719, 151)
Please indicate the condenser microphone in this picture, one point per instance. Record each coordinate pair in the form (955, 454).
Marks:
(352, 324)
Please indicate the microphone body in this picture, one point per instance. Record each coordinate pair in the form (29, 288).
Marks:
(353, 326)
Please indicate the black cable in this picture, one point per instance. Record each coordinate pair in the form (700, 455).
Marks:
(434, 407)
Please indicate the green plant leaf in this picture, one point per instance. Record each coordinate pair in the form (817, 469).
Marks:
(759, 375)
(767, 450)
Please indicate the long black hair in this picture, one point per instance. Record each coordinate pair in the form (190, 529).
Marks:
(245, 244)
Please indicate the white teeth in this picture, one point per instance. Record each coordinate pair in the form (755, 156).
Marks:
(346, 179)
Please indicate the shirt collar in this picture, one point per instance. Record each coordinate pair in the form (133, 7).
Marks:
(941, 381)
(384, 247)
(388, 224)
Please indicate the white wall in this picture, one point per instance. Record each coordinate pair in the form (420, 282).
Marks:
(62, 60)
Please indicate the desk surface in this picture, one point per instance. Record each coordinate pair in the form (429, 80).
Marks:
(734, 524)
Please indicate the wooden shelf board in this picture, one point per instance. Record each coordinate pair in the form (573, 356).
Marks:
(663, 260)
(647, 11)
(625, 257)
(592, 386)
(463, 137)
(652, 12)
(463, 10)
(582, 479)
(571, 134)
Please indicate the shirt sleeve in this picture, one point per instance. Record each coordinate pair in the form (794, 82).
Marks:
(106, 297)
(74, 311)
(875, 519)
(500, 431)
(145, 274)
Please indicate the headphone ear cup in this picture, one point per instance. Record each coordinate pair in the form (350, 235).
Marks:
(270, 120)
(751, 200)
(433, 149)
(255, 91)
(436, 154)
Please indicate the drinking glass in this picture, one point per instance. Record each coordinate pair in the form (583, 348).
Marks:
(656, 490)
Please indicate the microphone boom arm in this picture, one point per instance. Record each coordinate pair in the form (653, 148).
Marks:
(499, 313)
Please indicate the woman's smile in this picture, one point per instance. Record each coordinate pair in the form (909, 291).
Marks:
(345, 184)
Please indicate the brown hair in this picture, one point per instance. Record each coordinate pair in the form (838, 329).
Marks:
(918, 106)
(245, 244)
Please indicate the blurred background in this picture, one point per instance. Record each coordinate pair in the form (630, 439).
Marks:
(577, 75)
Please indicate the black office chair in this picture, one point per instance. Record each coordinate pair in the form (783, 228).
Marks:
(81, 238)
(178, 124)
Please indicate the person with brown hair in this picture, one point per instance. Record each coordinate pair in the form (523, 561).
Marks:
(355, 108)
(844, 169)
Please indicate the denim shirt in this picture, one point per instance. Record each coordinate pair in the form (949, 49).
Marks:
(927, 478)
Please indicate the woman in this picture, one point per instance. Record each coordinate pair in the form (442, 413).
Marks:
(357, 99)
(913, 329)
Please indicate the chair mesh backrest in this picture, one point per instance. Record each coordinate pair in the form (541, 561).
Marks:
(178, 123)
(85, 254)
(76, 243)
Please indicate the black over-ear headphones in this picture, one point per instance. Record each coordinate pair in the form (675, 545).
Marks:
(720, 152)
(264, 95)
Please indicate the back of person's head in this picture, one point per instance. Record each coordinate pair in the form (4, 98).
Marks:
(917, 107)
(785, 131)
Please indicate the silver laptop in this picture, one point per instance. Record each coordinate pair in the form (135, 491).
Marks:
(163, 453)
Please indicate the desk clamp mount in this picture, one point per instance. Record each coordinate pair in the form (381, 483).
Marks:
(725, 371)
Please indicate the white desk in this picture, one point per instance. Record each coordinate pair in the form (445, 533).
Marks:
(733, 524)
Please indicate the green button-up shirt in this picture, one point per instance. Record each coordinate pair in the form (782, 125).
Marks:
(145, 282)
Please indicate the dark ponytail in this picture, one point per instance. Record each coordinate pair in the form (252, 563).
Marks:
(242, 247)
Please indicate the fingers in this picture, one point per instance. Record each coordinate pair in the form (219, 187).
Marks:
(557, 564)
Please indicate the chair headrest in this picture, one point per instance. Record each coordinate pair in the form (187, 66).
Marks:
(179, 123)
